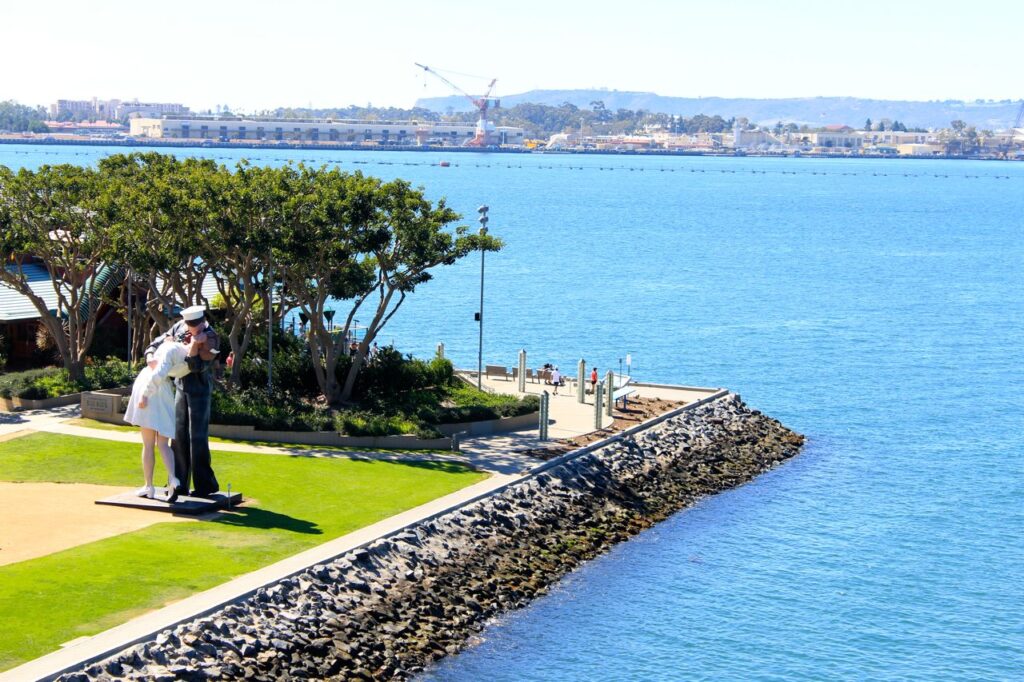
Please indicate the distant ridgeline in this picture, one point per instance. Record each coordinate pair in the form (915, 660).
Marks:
(813, 111)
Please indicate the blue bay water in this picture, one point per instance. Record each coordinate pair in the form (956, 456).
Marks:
(875, 306)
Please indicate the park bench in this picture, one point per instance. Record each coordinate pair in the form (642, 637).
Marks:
(529, 374)
(623, 395)
(498, 372)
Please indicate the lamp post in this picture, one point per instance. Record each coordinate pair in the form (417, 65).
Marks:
(128, 307)
(270, 324)
(480, 314)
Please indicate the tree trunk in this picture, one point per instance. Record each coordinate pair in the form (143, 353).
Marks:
(379, 320)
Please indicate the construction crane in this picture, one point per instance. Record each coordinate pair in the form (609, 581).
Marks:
(484, 136)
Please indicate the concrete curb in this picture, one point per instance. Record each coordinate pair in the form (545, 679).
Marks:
(85, 651)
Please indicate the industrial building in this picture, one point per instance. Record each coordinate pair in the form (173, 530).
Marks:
(313, 131)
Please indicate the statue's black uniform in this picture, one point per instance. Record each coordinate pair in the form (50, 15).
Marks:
(192, 415)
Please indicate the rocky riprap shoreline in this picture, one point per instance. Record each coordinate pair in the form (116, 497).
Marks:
(390, 609)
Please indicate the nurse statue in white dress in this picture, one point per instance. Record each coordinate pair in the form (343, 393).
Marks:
(151, 407)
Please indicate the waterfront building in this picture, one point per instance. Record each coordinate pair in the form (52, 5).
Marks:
(80, 108)
(316, 131)
(920, 149)
(894, 138)
(623, 142)
(747, 139)
(86, 128)
(837, 137)
(149, 109)
(113, 108)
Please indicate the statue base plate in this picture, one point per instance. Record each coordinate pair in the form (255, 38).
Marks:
(193, 506)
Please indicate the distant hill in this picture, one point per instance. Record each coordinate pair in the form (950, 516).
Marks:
(814, 111)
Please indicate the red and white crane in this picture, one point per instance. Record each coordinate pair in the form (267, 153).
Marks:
(484, 136)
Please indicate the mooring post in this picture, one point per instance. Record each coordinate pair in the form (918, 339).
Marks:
(440, 351)
(522, 370)
(598, 395)
(609, 392)
(545, 406)
(581, 385)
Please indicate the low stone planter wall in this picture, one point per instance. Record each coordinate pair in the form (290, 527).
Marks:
(388, 609)
(330, 438)
(105, 406)
(523, 422)
(12, 404)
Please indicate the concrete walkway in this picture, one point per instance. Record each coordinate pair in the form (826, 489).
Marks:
(494, 453)
(569, 417)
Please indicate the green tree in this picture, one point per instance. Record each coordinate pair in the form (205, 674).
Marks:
(168, 226)
(18, 118)
(252, 220)
(867, 125)
(408, 240)
(374, 243)
(57, 217)
(321, 256)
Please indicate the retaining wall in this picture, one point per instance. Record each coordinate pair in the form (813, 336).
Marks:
(12, 404)
(388, 609)
(105, 406)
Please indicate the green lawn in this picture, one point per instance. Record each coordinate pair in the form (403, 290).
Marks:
(300, 502)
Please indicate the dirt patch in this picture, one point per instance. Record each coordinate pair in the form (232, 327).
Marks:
(37, 519)
(15, 434)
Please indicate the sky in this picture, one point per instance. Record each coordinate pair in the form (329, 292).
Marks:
(259, 54)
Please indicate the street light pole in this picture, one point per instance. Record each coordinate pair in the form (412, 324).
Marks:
(270, 324)
(480, 315)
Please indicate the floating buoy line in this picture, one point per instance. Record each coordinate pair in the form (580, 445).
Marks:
(599, 168)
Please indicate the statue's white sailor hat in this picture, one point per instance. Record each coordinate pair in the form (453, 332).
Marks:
(195, 312)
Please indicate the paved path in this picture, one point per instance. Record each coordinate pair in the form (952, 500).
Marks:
(496, 453)
(493, 454)
(571, 418)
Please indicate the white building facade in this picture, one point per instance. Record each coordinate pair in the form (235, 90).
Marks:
(317, 131)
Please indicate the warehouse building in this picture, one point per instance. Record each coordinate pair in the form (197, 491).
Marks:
(311, 131)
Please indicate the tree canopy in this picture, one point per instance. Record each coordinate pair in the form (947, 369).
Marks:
(18, 118)
(272, 240)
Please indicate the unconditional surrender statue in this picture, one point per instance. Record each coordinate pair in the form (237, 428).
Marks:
(192, 402)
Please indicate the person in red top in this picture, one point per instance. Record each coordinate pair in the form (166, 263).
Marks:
(593, 380)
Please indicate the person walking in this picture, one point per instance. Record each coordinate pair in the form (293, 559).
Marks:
(593, 380)
(556, 380)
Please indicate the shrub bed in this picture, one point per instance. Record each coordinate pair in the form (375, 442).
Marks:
(469, 404)
(395, 395)
(53, 382)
